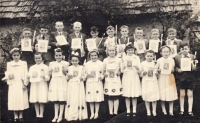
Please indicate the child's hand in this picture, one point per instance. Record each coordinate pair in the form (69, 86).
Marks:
(81, 79)
(28, 77)
(157, 74)
(70, 76)
(179, 70)
(49, 47)
(32, 47)
(136, 67)
(100, 78)
(4, 79)
(118, 73)
(159, 71)
(194, 67)
(138, 71)
(74, 49)
(57, 44)
(144, 73)
(42, 76)
(106, 75)
(36, 47)
(24, 87)
(88, 76)
(83, 53)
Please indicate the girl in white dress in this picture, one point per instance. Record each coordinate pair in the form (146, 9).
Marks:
(38, 76)
(76, 108)
(16, 77)
(58, 84)
(131, 81)
(167, 84)
(94, 86)
(150, 90)
(112, 70)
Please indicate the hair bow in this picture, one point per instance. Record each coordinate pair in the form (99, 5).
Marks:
(75, 53)
(57, 50)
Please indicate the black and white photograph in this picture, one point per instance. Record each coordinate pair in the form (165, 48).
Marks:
(100, 61)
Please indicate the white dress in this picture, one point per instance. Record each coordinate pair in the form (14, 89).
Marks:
(167, 84)
(76, 108)
(113, 86)
(150, 90)
(39, 88)
(58, 83)
(130, 80)
(94, 87)
(17, 97)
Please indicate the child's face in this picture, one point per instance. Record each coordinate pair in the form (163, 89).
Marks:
(124, 31)
(111, 52)
(185, 50)
(59, 27)
(74, 61)
(93, 56)
(77, 28)
(58, 56)
(110, 32)
(165, 52)
(149, 57)
(130, 51)
(172, 35)
(154, 35)
(43, 31)
(94, 34)
(16, 56)
(138, 34)
(26, 34)
(38, 59)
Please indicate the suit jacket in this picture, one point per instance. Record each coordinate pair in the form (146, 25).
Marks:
(186, 75)
(65, 48)
(142, 55)
(125, 41)
(49, 55)
(177, 42)
(71, 36)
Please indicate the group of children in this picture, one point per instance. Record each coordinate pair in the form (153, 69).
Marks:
(125, 66)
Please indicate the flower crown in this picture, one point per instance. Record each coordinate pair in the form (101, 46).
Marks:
(14, 49)
(75, 53)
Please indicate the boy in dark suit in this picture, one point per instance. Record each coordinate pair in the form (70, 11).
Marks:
(77, 26)
(124, 39)
(27, 55)
(94, 32)
(59, 32)
(186, 79)
(48, 56)
(172, 40)
(138, 38)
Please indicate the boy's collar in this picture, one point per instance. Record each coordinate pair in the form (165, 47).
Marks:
(183, 55)
(124, 36)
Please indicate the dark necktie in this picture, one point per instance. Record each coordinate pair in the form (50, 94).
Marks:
(43, 37)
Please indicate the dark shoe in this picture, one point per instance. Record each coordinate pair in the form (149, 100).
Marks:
(15, 120)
